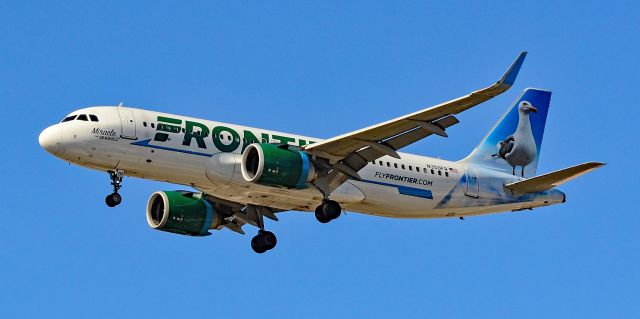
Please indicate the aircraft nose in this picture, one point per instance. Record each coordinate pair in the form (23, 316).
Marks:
(50, 139)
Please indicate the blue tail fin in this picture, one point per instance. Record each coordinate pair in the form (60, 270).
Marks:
(514, 143)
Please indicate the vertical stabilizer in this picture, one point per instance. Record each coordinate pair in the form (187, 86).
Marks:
(514, 143)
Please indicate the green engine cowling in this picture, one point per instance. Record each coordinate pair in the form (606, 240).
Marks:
(271, 165)
(181, 213)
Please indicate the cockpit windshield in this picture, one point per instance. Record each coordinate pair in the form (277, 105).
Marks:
(69, 118)
(81, 117)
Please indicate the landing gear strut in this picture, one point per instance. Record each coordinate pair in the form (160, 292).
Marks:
(264, 240)
(114, 199)
(328, 211)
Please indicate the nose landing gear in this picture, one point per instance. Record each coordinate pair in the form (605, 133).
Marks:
(114, 199)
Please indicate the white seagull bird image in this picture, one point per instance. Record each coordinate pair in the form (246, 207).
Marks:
(519, 149)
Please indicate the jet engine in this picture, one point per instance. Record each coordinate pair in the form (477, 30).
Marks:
(274, 165)
(181, 213)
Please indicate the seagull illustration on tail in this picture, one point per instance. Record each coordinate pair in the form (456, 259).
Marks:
(519, 149)
(516, 139)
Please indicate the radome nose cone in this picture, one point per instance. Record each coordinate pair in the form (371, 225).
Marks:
(50, 138)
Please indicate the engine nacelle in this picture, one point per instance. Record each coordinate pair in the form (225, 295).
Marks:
(268, 164)
(181, 213)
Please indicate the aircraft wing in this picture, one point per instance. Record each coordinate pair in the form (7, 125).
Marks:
(349, 152)
(427, 119)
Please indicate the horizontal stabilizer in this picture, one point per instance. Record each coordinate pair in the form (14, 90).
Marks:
(550, 180)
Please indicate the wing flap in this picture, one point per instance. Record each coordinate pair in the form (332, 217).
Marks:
(359, 159)
(550, 180)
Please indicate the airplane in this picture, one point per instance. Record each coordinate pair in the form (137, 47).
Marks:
(242, 174)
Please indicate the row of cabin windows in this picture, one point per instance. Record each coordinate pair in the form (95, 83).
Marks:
(81, 117)
(244, 140)
(411, 168)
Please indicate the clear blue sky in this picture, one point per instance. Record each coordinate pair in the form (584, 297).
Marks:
(319, 68)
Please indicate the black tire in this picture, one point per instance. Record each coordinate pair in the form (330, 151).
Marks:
(331, 209)
(263, 241)
(269, 239)
(109, 201)
(256, 245)
(320, 216)
(116, 198)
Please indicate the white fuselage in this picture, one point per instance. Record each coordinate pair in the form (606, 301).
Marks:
(411, 187)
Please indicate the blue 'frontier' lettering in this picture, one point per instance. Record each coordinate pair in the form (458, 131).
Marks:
(406, 179)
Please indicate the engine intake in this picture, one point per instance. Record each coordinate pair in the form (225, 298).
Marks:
(181, 213)
(268, 164)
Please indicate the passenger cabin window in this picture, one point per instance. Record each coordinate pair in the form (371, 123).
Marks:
(395, 165)
(433, 172)
(402, 166)
(93, 118)
(153, 125)
(388, 164)
(439, 172)
(144, 124)
(446, 174)
(69, 118)
(82, 117)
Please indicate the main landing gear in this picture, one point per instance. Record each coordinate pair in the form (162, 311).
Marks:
(264, 240)
(328, 211)
(114, 199)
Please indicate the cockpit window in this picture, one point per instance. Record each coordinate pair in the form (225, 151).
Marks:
(69, 118)
(82, 117)
(93, 118)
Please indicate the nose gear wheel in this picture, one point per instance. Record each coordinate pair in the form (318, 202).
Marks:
(114, 199)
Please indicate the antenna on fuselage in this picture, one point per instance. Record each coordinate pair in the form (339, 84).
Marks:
(121, 104)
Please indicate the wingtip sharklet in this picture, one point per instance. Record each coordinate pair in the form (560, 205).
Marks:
(509, 77)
